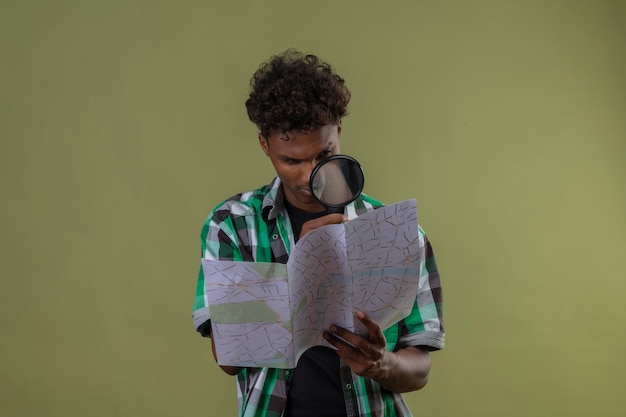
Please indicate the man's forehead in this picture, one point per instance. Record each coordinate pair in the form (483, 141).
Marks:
(301, 146)
(292, 134)
(287, 133)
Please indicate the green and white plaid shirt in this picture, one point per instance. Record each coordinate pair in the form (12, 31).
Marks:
(254, 227)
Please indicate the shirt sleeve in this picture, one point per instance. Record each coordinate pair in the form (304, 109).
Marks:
(424, 325)
(218, 239)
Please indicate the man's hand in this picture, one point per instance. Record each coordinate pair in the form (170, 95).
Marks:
(230, 370)
(334, 218)
(401, 371)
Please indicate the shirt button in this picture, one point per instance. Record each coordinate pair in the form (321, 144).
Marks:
(274, 236)
(348, 386)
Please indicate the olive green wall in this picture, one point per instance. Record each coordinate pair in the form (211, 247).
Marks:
(122, 124)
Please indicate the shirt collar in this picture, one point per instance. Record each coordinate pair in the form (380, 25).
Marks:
(273, 200)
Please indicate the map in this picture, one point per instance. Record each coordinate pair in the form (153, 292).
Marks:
(268, 314)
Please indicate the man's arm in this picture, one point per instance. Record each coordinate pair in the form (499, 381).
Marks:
(205, 330)
(401, 371)
(230, 370)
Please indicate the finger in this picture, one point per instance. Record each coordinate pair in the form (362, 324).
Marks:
(347, 351)
(376, 333)
(349, 337)
(333, 218)
(353, 347)
(359, 360)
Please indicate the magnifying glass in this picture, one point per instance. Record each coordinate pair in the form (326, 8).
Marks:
(336, 181)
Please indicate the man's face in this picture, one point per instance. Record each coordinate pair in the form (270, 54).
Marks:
(294, 154)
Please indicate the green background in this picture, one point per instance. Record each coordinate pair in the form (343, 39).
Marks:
(122, 124)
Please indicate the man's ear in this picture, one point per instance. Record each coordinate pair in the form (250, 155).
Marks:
(265, 144)
(339, 128)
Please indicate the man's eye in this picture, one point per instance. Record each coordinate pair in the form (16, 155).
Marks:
(325, 153)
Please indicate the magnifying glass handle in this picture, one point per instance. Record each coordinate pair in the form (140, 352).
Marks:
(331, 210)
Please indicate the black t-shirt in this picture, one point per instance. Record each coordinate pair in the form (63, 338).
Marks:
(315, 388)
(298, 217)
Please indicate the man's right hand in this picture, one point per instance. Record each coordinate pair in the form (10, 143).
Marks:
(333, 218)
(230, 370)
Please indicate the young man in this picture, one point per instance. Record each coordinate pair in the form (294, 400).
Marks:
(298, 103)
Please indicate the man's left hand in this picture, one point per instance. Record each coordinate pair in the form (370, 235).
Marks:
(364, 354)
(404, 370)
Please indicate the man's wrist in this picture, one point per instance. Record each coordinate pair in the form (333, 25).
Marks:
(382, 371)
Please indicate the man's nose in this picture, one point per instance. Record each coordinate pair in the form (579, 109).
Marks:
(307, 168)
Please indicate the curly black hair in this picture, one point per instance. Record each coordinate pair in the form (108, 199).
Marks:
(296, 91)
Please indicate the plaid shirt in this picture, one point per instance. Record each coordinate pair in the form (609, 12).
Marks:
(254, 227)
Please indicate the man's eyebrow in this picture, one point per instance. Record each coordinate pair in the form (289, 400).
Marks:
(283, 156)
(327, 148)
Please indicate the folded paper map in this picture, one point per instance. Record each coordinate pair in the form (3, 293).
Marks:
(268, 314)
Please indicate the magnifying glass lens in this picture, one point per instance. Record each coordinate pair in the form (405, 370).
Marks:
(337, 181)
